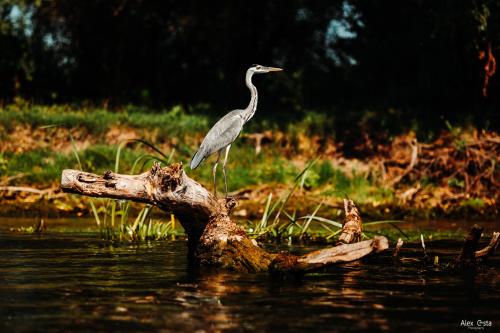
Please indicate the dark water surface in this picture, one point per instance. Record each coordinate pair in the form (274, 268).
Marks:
(78, 283)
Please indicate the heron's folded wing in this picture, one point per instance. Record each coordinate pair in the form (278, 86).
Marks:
(222, 134)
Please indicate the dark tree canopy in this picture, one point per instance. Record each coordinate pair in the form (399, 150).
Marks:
(420, 57)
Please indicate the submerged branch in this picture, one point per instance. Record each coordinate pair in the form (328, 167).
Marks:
(329, 256)
(468, 257)
(490, 248)
(343, 253)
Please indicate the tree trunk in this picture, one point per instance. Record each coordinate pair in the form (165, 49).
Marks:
(213, 239)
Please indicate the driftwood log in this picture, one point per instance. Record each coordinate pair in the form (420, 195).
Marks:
(213, 239)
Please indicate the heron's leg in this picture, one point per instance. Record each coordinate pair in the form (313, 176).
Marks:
(214, 172)
(224, 168)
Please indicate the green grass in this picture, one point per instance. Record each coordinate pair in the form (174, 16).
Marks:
(43, 167)
(178, 131)
(244, 168)
(112, 217)
(280, 221)
(173, 122)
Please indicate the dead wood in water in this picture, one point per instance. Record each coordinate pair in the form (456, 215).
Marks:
(333, 255)
(490, 249)
(395, 253)
(467, 261)
(213, 238)
(468, 258)
(352, 227)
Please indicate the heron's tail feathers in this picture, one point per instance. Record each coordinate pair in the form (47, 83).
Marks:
(197, 159)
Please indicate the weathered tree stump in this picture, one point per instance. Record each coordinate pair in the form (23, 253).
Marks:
(352, 227)
(468, 258)
(213, 239)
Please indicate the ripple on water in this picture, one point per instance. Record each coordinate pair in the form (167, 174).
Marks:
(61, 282)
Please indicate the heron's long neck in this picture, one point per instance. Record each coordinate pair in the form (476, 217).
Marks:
(252, 106)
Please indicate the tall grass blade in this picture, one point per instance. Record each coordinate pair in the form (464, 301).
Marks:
(309, 219)
(96, 214)
(391, 223)
(383, 222)
(118, 153)
(324, 220)
(265, 216)
(77, 157)
(75, 151)
(165, 159)
(294, 187)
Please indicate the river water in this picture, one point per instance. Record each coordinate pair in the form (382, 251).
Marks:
(73, 281)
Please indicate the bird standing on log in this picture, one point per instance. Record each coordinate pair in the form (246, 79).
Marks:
(226, 130)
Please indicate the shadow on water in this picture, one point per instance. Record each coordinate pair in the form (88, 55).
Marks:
(74, 282)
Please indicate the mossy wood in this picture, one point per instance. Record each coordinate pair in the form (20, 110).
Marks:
(213, 239)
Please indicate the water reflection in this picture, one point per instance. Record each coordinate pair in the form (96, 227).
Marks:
(68, 282)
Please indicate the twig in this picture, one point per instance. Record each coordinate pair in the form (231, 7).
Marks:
(423, 246)
(413, 162)
(399, 244)
(7, 180)
(25, 189)
(40, 228)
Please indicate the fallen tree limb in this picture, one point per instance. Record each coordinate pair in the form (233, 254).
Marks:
(343, 253)
(333, 255)
(490, 248)
(213, 239)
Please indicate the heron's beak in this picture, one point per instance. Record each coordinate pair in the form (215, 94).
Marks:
(274, 69)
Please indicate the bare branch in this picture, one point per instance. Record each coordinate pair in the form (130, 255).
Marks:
(491, 248)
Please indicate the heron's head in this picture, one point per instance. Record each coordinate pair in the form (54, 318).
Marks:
(259, 69)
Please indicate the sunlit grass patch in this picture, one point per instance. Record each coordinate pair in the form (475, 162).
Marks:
(38, 166)
(245, 168)
(361, 188)
(172, 122)
(114, 222)
(44, 166)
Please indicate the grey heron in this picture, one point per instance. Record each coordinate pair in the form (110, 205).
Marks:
(226, 130)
